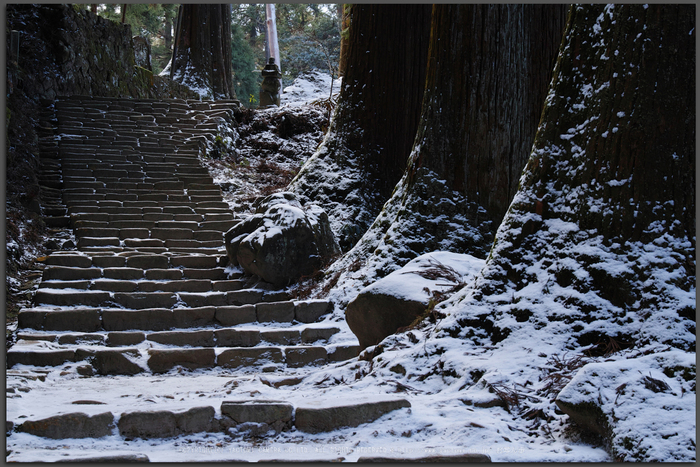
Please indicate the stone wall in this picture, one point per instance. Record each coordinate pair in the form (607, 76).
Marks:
(81, 53)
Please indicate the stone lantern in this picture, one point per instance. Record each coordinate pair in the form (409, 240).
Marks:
(270, 87)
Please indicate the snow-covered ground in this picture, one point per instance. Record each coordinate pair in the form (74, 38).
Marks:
(438, 422)
(466, 397)
(308, 87)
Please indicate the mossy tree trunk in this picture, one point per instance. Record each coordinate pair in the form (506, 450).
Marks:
(168, 29)
(375, 122)
(202, 50)
(599, 242)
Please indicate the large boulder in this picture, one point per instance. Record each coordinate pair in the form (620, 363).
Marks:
(399, 298)
(282, 241)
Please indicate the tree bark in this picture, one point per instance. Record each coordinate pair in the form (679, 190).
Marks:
(271, 23)
(489, 70)
(599, 242)
(489, 67)
(202, 50)
(344, 18)
(168, 31)
(372, 131)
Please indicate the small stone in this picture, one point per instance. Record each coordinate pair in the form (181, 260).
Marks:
(309, 311)
(281, 336)
(316, 334)
(280, 312)
(343, 352)
(110, 362)
(154, 424)
(83, 320)
(85, 370)
(182, 338)
(302, 356)
(234, 358)
(161, 361)
(118, 339)
(257, 411)
(237, 338)
(165, 424)
(227, 315)
(52, 245)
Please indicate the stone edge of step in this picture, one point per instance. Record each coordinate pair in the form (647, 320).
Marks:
(249, 414)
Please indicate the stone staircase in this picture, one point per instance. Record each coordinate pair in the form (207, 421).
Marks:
(141, 286)
(147, 288)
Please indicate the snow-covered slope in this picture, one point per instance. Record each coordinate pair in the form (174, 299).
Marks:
(308, 87)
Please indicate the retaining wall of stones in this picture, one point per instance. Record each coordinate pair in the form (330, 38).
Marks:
(64, 51)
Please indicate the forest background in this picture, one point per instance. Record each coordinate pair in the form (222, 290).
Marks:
(308, 34)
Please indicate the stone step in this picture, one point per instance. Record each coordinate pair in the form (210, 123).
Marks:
(219, 337)
(57, 221)
(120, 361)
(131, 268)
(264, 415)
(244, 306)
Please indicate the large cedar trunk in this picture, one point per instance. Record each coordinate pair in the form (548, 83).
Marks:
(599, 242)
(202, 50)
(488, 74)
(489, 71)
(384, 82)
(375, 122)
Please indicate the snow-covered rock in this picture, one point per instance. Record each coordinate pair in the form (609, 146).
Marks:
(398, 299)
(643, 406)
(282, 241)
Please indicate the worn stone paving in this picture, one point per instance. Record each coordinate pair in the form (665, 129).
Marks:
(147, 291)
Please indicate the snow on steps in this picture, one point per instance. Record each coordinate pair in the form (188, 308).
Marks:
(150, 269)
(152, 295)
(257, 415)
(243, 416)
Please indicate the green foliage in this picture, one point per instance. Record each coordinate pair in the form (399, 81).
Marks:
(246, 81)
(309, 38)
(308, 35)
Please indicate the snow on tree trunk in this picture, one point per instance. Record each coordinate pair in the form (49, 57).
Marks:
(202, 50)
(484, 95)
(599, 241)
(372, 130)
